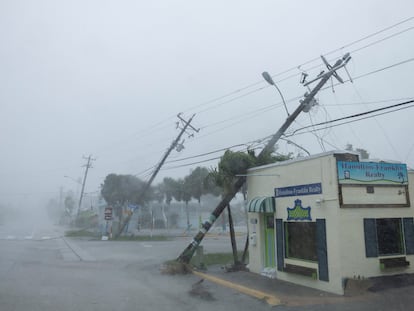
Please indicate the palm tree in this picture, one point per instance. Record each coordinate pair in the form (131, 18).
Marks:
(232, 164)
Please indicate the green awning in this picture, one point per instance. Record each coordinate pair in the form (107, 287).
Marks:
(261, 205)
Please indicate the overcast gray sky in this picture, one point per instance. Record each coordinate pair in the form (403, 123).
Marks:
(108, 78)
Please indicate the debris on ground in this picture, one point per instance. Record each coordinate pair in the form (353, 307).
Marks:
(199, 290)
(175, 267)
(269, 272)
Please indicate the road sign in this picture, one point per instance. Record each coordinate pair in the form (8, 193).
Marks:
(108, 213)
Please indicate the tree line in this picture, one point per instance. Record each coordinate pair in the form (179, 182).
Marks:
(119, 190)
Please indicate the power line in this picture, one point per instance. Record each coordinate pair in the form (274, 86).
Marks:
(381, 69)
(371, 102)
(400, 106)
(271, 107)
(290, 135)
(204, 154)
(317, 58)
(241, 89)
(366, 117)
(190, 164)
(357, 115)
(337, 50)
(303, 64)
(389, 142)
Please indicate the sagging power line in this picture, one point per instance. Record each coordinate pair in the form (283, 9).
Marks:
(295, 133)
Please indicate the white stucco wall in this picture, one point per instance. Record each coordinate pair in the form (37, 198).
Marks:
(354, 261)
(344, 226)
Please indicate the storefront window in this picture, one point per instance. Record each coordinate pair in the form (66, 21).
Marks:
(389, 236)
(300, 240)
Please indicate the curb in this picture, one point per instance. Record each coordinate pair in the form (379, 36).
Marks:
(271, 299)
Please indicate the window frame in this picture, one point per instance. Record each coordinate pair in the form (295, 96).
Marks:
(313, 257)
(380, 237)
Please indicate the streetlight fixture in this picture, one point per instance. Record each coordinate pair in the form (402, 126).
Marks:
(295, 144)
(269, 80)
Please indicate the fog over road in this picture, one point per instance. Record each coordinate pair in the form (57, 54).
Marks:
(42, 270)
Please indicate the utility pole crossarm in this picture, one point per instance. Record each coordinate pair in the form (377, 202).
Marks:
(191, 248)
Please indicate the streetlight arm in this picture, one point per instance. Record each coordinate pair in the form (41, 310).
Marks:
(73, 179)
(269, 80)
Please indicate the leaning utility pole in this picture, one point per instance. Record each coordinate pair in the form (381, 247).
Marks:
(304, 105)
(88, 165)
(175, 144)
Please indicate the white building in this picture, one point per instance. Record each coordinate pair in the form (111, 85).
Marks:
(321, 220)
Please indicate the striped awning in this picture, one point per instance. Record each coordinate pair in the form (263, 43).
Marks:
(261, 205)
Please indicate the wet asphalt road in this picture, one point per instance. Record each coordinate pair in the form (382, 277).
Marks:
(41, 270)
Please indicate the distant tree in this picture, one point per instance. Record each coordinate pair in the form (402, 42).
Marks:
(363, 152)
(158, 194)
(182, 193)
(69, 203)
(168, 187)
(52, 208)
(196, 180)
(117, 190)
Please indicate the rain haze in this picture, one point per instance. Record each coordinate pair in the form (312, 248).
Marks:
(108, 78)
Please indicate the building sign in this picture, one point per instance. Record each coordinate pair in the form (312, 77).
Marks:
(298, 212)
(294, 191)
(372, 173)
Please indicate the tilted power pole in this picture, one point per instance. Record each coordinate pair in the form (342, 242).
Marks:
(88, 165)
(175, 144)
(305, 104)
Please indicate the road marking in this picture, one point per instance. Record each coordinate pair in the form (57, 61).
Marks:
(10, 237)
(269, 298)
(29, 237)
(147, 245)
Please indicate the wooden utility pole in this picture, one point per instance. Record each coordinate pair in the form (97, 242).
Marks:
(88, 165)
(175, 144)
(304, 105)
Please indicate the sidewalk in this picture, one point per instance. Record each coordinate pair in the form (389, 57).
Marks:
(273, 291)
(394, 292)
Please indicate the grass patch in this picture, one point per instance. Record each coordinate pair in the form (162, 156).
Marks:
(142, 238)
(216, 259)
(175, 267)
(81, 233)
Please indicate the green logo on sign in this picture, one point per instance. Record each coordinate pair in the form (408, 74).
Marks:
(298, 212)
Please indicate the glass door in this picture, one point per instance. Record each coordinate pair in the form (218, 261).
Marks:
(269, 255)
